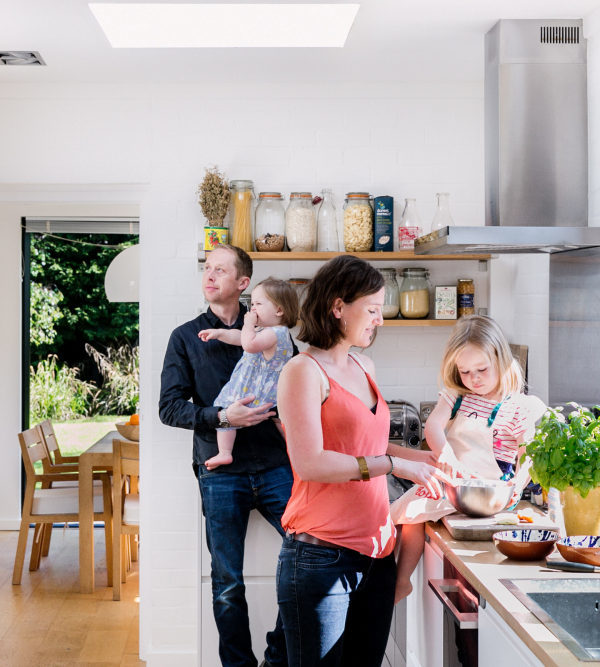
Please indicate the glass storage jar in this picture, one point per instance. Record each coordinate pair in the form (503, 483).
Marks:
(242, 214)
(299, 285)
(465, 290)
(269, 234)
(300, 223)
(358, 222)
(391, 299)
(327, 229)
(414, 293)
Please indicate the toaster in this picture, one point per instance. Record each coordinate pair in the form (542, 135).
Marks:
(405, 424)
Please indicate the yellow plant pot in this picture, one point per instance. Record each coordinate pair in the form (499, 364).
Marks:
(582, 515)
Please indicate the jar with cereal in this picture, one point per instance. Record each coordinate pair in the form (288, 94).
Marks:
(300, 223)
(358, 222)
(269, 235)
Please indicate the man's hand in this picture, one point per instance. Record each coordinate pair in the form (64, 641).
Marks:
(239, 414)
(209, 334)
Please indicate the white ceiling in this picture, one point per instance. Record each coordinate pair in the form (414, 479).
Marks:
(391, 40)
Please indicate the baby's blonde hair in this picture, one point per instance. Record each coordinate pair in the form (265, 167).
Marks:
(484, 333)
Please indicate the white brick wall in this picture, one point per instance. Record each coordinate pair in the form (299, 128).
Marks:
(411, 141)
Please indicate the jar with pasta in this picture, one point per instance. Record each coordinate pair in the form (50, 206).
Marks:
(358, 222)
(465, 290)
(242, 214)
(300, 223)
(414, 293)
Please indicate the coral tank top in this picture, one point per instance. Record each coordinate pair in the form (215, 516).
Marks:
(355, 515)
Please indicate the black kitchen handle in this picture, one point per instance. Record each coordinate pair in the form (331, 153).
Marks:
(571, 567)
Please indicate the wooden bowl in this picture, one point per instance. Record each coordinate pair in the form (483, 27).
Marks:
(129, 431)
(526, 544)
(580, 549)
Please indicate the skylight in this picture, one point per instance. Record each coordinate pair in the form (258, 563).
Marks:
(156, 25)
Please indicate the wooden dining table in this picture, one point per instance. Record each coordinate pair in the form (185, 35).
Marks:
(97, 458)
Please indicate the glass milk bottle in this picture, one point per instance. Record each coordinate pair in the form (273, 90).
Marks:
(442, 217)
(410, 226)
(327, 231)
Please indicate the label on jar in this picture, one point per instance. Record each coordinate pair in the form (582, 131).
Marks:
(384, 223)
(215, 235)
(466, 301)
(407, 236)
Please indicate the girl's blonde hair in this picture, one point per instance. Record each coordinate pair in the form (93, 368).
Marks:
(484, 333)
(282, 294)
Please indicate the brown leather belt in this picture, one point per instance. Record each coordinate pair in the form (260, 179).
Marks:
(311, 539)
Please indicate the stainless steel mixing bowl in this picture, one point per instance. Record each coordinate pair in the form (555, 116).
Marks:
(479, 497)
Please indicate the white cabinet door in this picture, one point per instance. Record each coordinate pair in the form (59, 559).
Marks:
(498, 643)
(425, 614)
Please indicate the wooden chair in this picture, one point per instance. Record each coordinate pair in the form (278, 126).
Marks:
(57, 463)
(126, 503)
(45, 506)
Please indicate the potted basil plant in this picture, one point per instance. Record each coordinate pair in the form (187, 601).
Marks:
(565, 454)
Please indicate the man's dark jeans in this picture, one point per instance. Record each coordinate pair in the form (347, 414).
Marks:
(227, 499)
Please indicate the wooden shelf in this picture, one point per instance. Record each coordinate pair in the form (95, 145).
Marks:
(419, 323)
(404, 255)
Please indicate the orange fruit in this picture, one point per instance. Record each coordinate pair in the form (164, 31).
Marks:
(134, 420)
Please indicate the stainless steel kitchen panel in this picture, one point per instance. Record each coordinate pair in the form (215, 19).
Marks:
(535, 127)
(469, 240)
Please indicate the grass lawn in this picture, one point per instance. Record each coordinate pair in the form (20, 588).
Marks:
(78, 435)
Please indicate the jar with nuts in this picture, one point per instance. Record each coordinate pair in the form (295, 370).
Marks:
(358, 222)
(269, 234)
(300, 223)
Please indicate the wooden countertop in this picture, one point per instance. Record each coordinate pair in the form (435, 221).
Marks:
(483, 566)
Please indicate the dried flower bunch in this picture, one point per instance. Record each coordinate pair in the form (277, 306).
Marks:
(213, 196)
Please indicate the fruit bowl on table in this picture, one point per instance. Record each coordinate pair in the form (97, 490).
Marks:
(128, 431)
(525, 544)
(580, 549)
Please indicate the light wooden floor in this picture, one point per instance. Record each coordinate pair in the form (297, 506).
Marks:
(46, 622)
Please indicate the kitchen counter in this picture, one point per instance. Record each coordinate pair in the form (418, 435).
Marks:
(483, 566)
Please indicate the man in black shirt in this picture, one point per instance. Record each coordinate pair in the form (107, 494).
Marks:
(259, 477)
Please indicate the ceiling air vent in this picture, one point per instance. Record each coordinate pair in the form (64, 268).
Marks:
(559, 34)
(21, 58)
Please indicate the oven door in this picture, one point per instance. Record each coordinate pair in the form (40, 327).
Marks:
(461, 605)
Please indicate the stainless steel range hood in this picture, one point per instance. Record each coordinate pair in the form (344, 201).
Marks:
(536, 182)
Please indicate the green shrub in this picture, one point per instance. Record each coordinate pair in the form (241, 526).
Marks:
(57, 393)
(120, 369)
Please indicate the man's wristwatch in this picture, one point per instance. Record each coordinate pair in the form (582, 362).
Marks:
(222, 417)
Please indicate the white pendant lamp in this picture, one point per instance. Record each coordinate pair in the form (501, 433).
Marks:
(121, 282)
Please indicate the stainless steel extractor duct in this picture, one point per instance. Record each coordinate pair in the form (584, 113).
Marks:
(536, 184)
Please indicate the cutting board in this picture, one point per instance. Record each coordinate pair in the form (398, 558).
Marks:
(463, 527)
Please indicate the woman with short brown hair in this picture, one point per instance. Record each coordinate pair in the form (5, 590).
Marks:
(336, 573)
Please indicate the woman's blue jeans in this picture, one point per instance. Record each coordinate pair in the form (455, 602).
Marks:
(227, 499)
(336, 605)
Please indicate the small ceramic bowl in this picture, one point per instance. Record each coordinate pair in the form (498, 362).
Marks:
(128, 431)
(580, 549)
(525, 544)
